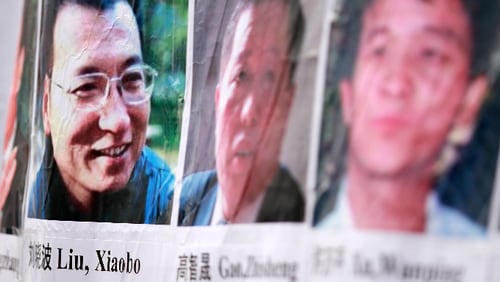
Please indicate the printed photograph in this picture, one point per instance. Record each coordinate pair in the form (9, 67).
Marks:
(410, 125)
(243, 101)
(109, 109)
(16, 145)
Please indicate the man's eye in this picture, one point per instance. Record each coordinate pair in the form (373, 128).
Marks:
(86, 90)
(432, 55)
(133, 81)
(378, 51)
(241, 76)
(133, 77)
(270, 77)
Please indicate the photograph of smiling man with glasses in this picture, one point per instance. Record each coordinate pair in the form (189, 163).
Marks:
(96, 107)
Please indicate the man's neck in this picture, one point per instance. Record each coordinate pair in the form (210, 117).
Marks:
(245, 208)
(245, 213)
(80, 197)
(389, 203)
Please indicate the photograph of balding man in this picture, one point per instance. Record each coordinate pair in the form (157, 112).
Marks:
(405, 93)
(98, 98)
(233, 172)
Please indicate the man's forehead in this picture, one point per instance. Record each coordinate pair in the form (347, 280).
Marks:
(447, 18)
(264, 22)
(79, 28)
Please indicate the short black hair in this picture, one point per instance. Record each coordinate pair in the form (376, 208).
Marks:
(295, 30)
(483, 19)
(101, 5)
(50, 11)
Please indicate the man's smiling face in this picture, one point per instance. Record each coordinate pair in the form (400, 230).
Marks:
(95, 150)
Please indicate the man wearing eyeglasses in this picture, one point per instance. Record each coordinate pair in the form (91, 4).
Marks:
(95, 113)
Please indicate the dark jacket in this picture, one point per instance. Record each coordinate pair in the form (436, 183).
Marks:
(282, 202)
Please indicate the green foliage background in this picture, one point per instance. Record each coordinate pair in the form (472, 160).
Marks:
(163, 26)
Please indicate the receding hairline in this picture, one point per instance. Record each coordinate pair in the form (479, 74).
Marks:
(480, 15)
(112, 8)
(99, 6)
(446, 31)
(294, 20)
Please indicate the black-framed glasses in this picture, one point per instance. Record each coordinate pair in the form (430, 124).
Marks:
(91, 90)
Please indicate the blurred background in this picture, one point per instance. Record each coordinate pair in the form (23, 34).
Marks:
(10, 16)
(163, 25)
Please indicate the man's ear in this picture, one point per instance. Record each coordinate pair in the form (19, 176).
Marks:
(288, 86)
(284, 104)
(472, 102)
(346, 100)
(46, 105)
(290, 95)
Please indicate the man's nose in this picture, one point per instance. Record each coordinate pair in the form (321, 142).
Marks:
(397, 80)
(250, 111)
(114, 116)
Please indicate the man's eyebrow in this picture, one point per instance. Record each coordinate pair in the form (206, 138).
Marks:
(133, 60)
(247, 53)
(87, 69)
(449, 35)
(373, 32)
(243, 55)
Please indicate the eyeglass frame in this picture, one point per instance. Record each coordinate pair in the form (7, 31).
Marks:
(110, 79)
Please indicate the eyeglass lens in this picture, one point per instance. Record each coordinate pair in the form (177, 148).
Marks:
(136, 86)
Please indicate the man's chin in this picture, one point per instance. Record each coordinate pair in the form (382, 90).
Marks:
(241, 164)
(233, 177)
(392, 170)
(381, 166)
(110, 184)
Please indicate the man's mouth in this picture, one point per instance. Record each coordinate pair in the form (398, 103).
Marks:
(113, 151)
(244, 153)
(394, 122)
